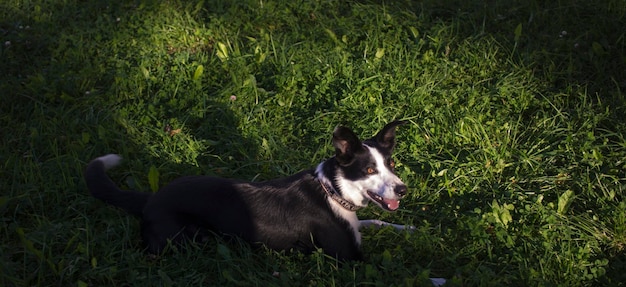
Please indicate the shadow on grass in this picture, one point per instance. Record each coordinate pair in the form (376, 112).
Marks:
(79, 76)
(72, 91)
(576, 42)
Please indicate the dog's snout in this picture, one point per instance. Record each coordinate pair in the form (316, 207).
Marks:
(400, 190)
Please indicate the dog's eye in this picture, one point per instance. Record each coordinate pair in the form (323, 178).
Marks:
(371, 170)
(392, 164)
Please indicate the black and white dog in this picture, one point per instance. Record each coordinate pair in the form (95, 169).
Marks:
(311, 209)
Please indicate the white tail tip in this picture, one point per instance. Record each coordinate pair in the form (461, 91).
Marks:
(110, 160)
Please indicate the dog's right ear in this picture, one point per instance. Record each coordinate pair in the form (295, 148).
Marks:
(386, 137)
(346, 145)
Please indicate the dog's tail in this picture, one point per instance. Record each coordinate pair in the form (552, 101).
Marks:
(103, 188)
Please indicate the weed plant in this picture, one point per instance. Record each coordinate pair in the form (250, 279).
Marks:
(515, 154)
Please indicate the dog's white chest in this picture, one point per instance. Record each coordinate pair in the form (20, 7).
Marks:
(349, 216)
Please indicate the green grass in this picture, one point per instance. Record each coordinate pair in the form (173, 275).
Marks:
(515, 155)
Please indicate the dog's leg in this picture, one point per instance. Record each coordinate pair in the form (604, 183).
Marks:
(380, 224)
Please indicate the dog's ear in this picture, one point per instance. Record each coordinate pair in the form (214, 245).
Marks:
(386, 137)
(346, 144)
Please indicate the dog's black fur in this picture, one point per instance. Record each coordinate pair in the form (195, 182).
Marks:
(291, 213)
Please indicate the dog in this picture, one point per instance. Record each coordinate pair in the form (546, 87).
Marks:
(312, 209)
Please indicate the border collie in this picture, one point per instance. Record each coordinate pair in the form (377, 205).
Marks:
(312, 209)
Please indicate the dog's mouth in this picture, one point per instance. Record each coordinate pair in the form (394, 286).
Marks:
(385, 203)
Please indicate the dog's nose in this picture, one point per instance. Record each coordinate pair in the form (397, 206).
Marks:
(400, 190)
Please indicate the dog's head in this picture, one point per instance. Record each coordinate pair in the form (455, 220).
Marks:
(365, 169)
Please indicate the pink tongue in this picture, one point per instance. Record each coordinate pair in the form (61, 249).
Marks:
(392, 204)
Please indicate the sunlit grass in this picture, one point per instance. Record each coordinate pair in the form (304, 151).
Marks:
(515, 152)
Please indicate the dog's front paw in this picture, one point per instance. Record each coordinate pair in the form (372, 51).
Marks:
(380, 224)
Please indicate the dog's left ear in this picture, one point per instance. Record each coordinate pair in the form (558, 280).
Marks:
(386, 137)
(346, 145)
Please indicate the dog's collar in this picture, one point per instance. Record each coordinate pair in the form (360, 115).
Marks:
(332, 193)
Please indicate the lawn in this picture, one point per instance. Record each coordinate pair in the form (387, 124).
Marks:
(515, 151)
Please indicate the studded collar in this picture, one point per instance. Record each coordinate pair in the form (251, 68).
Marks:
(332, 193)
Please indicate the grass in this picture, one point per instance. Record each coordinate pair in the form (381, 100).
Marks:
(515, 155)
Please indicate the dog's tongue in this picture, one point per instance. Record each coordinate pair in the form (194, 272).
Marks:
(392, 204)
